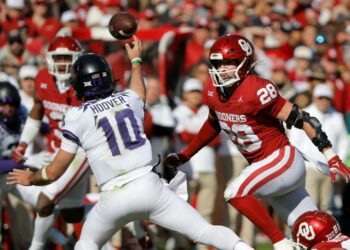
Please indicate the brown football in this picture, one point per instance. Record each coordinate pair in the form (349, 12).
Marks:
(122, 25)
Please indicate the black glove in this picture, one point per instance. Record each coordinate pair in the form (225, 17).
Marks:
(174, 160)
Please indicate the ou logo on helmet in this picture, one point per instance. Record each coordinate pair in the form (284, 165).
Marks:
(306, 231)
(245, 46)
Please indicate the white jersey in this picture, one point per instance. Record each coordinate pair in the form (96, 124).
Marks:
(110, 131)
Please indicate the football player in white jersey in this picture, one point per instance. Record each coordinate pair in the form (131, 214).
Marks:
(109, 127)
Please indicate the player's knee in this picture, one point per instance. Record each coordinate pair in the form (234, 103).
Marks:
(73, 215)
(229, 194)
(84, 244)
(44, 206)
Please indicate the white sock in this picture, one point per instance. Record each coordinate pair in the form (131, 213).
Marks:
(284, 244)
(241, 245)
(42, 227)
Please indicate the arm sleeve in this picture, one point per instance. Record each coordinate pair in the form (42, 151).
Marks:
(8, 165)
(30, 130)
(69, 145)
(70, 131)
(210, 129)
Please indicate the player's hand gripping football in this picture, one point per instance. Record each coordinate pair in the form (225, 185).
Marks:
(174, 160)
(336, 166)
(135, 49)
(18, 153)
(20, 176)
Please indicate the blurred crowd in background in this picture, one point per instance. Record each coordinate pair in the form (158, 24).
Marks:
(301, 46)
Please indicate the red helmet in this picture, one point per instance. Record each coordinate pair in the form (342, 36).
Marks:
(314, 227)
(62, 46)
(230, 50)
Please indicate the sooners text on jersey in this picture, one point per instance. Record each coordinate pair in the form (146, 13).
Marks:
(248, 116)
(55, 105)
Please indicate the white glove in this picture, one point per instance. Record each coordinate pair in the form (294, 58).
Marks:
(39, 160)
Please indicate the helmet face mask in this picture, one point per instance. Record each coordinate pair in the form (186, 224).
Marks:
(314, 227)
(230, 50)
(61, 54)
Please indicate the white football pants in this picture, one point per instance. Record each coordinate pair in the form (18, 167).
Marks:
(147, 198)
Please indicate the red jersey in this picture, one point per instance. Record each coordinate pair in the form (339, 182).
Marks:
(55, 105)
(248, 116)
(340, 242)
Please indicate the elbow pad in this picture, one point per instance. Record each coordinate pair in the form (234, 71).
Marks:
(297, 119)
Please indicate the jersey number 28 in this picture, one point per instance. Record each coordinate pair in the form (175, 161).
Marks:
(267, 94)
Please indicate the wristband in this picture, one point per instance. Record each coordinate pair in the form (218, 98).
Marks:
(329, 154)
(136, 60)
(44, 174)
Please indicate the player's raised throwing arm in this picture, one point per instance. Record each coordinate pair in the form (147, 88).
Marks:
(293, 116)
(136, 82)
(209, 130)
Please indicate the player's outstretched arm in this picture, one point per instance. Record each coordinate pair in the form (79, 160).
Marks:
(30, 130)
(134, 53)
(208, 132)
(293, 116)
(49, 173)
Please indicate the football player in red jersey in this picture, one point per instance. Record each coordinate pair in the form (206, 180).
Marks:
(250, 110)
(317, 230)
(53, 97)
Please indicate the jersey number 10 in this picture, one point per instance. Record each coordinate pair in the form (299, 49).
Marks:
(126, 123)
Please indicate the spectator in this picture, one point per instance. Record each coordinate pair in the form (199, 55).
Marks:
(189, 116)
(195, 50)
(14, 15)
(280, 78)
(299, 66)
(26, 75)
(14, 54)
(41, 23)
(69, 20)
(162, 120)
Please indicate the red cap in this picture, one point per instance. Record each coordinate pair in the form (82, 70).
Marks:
(40, 1)
(201, 22)
(147, 14)
(107, 3)
(278, 65)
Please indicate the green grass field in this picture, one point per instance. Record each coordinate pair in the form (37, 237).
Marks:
(264, 246)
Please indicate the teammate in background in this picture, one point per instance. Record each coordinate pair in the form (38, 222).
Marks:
(317, 230)
(250, 110)
(53, 97)
(12, 118)
(109, 127)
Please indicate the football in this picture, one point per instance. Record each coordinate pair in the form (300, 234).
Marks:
(122, 25)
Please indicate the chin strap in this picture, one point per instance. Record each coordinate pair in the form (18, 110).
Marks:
(62, 86)
(255, 63)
